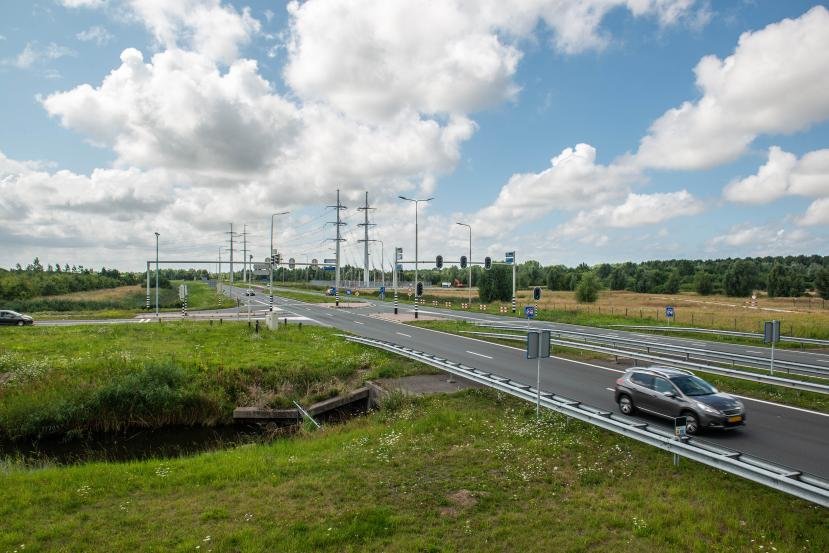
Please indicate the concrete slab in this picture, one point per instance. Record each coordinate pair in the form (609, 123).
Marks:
(427, 384)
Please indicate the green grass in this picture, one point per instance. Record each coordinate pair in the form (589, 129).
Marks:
(471, 472)
(200, 296)
(767, 392)
(69, 380)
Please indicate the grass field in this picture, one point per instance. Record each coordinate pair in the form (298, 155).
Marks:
(59, 380)
(471, 472)
(807, 317)
(122, 302)
(778, 394)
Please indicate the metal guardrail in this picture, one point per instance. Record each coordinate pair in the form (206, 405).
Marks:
(672, 362)
(805, 486)
(794, 339)
(752, 361)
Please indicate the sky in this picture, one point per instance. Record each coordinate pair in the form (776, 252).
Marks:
(567, 131)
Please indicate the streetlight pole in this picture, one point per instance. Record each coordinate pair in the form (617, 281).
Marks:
(270, 275)
(416, 259)
(156, 274)
(382, 265)
(469, 263)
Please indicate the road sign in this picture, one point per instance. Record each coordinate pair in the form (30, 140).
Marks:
(328, 268)
(262, 267)
(771, 332)
(182, 291)
(261, 272)
(399, 267)
(544, 344)
(529, 311)
(382, 292)
(330, 261)
(669, 311)
(509, 257)
(533, 341)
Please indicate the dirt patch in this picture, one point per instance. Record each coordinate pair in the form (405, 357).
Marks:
(463, 498)
(460, 500)
(426, 384)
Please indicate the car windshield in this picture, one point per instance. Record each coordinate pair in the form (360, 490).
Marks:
(693, 386)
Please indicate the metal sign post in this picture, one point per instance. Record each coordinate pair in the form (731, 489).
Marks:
(771, 334)
(538, 347)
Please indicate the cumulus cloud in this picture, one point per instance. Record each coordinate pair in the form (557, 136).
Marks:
(816, 214)
(375, 58)
(97, 34)
(783, 174)
(774, 82)
(761, 240)
(574, 180)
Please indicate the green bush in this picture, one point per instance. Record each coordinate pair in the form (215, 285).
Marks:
(587, 290)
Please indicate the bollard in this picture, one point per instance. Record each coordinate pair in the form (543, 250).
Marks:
(211, 322)
(248, 324)
(300, 325)
(257, 326)
(220, 321)
(286, 321)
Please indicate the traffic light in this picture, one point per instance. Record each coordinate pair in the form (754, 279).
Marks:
(419, 289)
(463, 262)
(291, 263)
(487, 263)
(439, 262)
(536, 293)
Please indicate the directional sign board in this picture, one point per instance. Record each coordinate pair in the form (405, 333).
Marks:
(533, 340)
(529, 311)
(669, 311)
(261, 267)
(182, 291)
(329, 261)
(328, 268)
(509, 257)
(679, 427)
(544, 344)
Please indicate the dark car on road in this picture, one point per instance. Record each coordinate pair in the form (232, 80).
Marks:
(672, 393)
(14, 318)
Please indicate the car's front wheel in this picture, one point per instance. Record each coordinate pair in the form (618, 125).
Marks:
(20, 323)
(626, 405)
(691, 423)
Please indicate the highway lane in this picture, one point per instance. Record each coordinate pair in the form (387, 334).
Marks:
(794, 437)
(819, 358)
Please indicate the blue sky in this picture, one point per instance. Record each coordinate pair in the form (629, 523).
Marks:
(695, 143)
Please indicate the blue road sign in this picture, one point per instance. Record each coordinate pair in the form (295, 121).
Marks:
(328, 268)
(382, 289)
(529, 311)
(669, 312)
(399, 267)
(509, 257)
(348, 292)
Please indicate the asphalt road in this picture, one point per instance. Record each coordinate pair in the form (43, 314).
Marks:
(794, 437)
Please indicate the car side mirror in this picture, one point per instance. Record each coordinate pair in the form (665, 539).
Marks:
(670, 394)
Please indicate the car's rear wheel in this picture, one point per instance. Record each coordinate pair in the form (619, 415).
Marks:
(691, 422)
(20, 323)
(626, 405)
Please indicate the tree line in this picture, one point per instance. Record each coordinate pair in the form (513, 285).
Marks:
(35, 280)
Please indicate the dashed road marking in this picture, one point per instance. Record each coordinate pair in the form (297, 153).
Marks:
(479, 354)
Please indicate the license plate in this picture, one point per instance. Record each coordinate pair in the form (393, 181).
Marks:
(738, 418)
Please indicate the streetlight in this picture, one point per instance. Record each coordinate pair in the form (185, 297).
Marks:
(382, 264)
(156, 274)
(469, 262)
(416, 279)
(270, 277)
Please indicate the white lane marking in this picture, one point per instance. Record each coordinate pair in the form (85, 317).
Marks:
(406, 335)
(781, 405)
(610, 389)
(479, 354)
(358, 322)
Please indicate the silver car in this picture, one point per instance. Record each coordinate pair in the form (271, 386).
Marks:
(672, 393)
